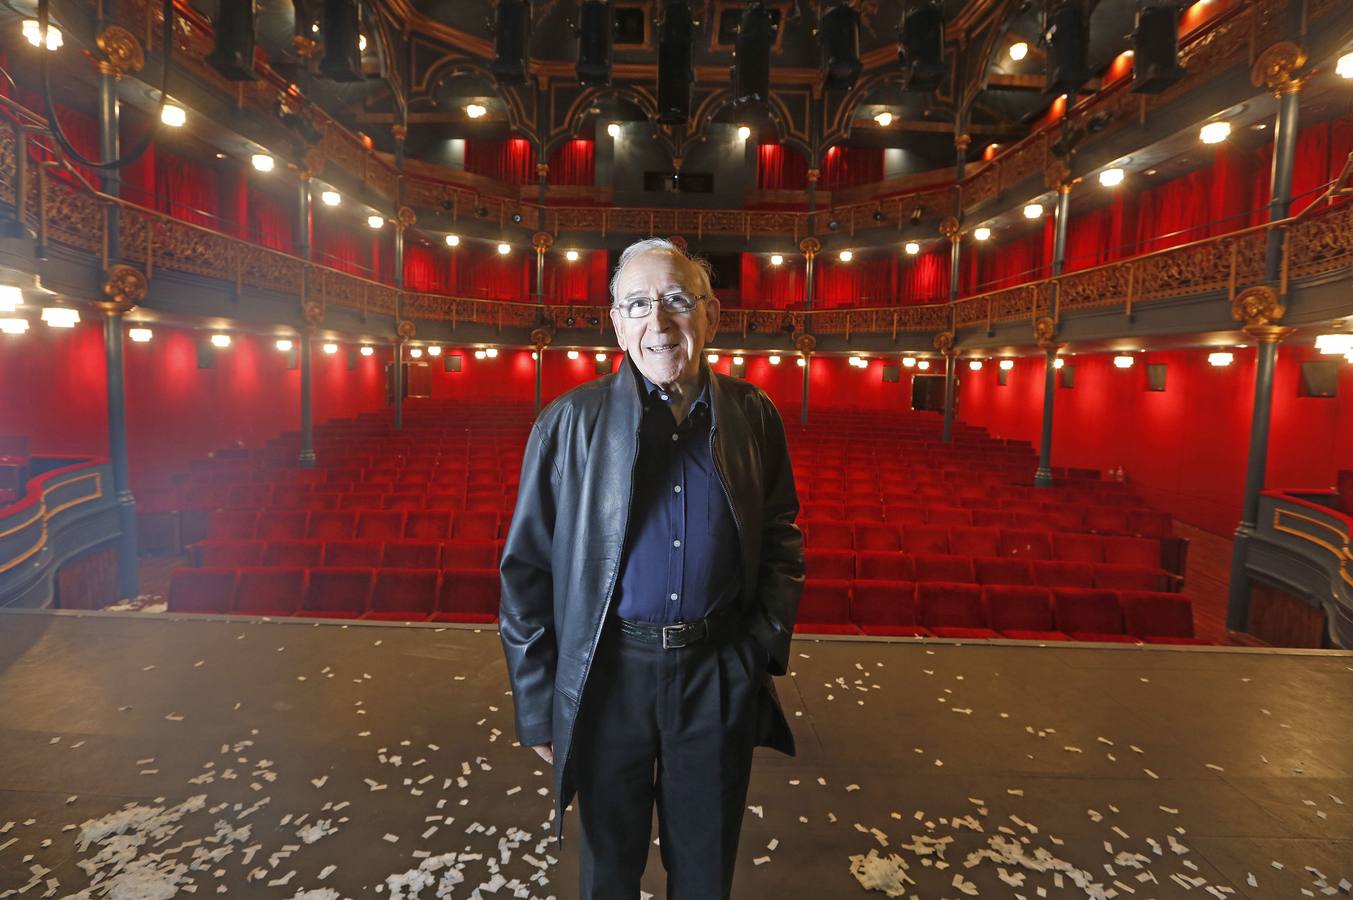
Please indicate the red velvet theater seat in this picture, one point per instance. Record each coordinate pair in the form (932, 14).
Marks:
(412, 555)
(294, 554)
(232, 525)
(973, 541)
(1132, 551)
(227, 554)
(878, 565)
(952, 610)
(403, 595)
(827, 534)
(1130, 578)
(1026, 543)
(948, 515)
(475, 526)
(1089, 614)
(934, 567)
(927, 539)
(380, 525)
(836, 564)
(1023, 612)
(877, 536)
(885, 608)
(1158, 618)
(824, 607)
(432, 525)
(1070, 547)
(337, 593)
(269, 591)
(1003, 570)
(359, 554)
(1058, 573)
(207, 590)
(1345, 483)
(470, 555)
(335, 525)
(468, 595)
(282, 525)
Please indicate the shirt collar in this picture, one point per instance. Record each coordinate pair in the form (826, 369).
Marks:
(650, 389)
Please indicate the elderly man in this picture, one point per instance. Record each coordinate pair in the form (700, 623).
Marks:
(650, 582)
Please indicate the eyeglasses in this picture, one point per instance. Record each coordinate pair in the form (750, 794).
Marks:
(679, 303)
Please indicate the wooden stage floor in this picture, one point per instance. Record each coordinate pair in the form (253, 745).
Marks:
(291, 758)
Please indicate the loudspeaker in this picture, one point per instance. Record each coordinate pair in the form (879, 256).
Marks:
(892, 374)
(751, 73)
(294, 358)
(738, 370)
(511, 35)
(452, 362)
(1155, 49)
(603, 366)
(839, 32)
(339, 32)
(920, 48)
(674, 63)
(1319, 378)
(1001, 376)
(1155, 377)
(1068, 43)
(233, 27)
(206, 354)
(1068, 375)
(594, 43)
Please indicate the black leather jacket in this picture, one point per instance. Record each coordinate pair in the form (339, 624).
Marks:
(562, 555)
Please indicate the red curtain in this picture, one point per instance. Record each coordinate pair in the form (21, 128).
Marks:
(844, 167)
(425, 268)
(1098, 237)
(1010, 262)
(574, 163)
(80, 129)
(867, 281)
(187, 190)
(483, 272)
(586, 280)
(339, 247)
(780, 168)
(512, 160)
(924, 278)
(272, 221)
(765, 286)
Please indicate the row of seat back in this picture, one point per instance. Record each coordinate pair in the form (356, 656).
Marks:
(461, 595)
(1019, 611)
(980, 541)
(340, 525)
(1100, 520)
(401, 554)
(894, 565)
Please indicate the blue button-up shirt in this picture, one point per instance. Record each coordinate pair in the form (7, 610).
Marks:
(682, 557)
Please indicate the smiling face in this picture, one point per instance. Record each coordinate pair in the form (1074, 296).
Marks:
(665, 346)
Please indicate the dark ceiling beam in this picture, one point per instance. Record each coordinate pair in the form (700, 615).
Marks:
(999, 82)
(925, 126)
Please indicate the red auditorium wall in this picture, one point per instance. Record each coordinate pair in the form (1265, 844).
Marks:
(55, 392)
(1184, 449)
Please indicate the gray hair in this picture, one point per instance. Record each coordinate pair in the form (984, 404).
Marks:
(661, 245)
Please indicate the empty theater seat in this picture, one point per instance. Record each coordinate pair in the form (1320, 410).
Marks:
(468, 595)
(1158, 618)
(952, 610)
(470, 555)
(877, 536)
(269, 591)
(205, 590)
(349, 554)
(380, 525)
(337, 592)
(934, 567)
(974, 541)
(1003, 570)
(1023, 612)
(824, 607)
(835, 564)
(1089, 614)
(412, 555)
(296, 554)
(877, 565)
(403, 595)
(885, 608)
(1058, 573)
(824, 534)
(925, 539)
(215, 554)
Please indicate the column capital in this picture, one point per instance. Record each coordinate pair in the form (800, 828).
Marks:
(944, 342)
(542, 170)
(1045, 329)
(405, 218)
(810, 246)
(1257, 306)
(1268, 334)
(805, 344)
(542, 241)
(950, 228)
(405, 331)
(1275, 69)
(124, 287)
(962, 142)
(122, 50)
(399, 132)
(312, 164)
(312, 311)
(812, 176)
(1057, 175)
(541, 338)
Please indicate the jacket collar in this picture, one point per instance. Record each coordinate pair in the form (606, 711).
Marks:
(647, 388)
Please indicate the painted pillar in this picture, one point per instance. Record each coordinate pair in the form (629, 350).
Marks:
(1044, 330)
(952, 228)
(810, 246)
(123, 287)
(110, 178)
(305, 234)
(542, 241)
(403, 219)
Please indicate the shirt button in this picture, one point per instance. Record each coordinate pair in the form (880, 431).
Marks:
(674, 596)
(676, 543)
(663, 396)
(676, 488)
(674, 437)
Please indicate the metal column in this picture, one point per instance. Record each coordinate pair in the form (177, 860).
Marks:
(1043, 476)
(304, 229)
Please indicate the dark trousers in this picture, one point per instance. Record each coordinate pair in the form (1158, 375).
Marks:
(676, 727)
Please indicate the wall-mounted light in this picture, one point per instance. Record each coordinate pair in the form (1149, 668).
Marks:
(475, 110)
(884, 119)
(283, 345)
(923, 364)
(11, 298)
(173, 115)
(912, 248)
(330, 198)
(32, 32)
(535, 355)
(60, 316)
(1124, 362)
(435, 350)
(1019, 50)
(1344, 67)
(908, 362)
(1111, 177)
(737, 360)
(776, 259)
(220, 341)
(847, 255)
(601, 357)
(975, 365)
(416, 352)
(479, 354)
(712, 358)
(1058, 363)
(330, 348)
(774, 359)
(491, 352)
(262, 162)
(1334, 344)
(803, 363)
(140, 335)
(744, 132)
(375, 221)
(367, 350)
(571, 255)
(573, 354)
(1033, 211)
(504, 249)
(453, 240)
(613, 129)
(1220, 358)
(1214, 132)
(13, 326)
(361, 43)
(1007, 365)
(981, 233)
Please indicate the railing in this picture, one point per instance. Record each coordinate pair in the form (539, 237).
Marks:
(1231, 37)
(68, 211)
(1316, 559)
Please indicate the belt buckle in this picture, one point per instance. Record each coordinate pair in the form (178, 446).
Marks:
(680, 628)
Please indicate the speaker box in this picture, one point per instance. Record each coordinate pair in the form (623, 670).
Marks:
(1155, 377)
(674, 63)
(452, 362)
(892, 374)
(920, 48)
(233, 27)
(1155, 49)
(511, 35)
(206, 354)
(1067, 374)
(751, 73)
(603, 366)
(738, 370)
(1319, 378)
(839, 32)
(594, 43)
(1068, 43)
(294, 357)
(339, 31)
(1001, 377)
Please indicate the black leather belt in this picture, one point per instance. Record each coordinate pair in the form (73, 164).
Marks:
(680, 634)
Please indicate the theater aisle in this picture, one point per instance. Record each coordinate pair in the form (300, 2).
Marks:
(315, 759)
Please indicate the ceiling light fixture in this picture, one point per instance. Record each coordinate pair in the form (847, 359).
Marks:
(13, 326)
(453, 240)
(1111, 177)
(1124, 362)
(712, 358)
(283, 345)
(262, 162)
(504, 249)
(1220, 358)
(573, 354)
(435, 350)
(601, 357)
(912, 248)
(475, 110)
(367, 350)
(11, 298)
(32, 32)
(923, 364)
(776, 259)
(220, 341)
(1033, 211)
(744, 132)
(847, 256)
(774, 359)
(1214, 132)
(981, 233)
(491, 352)
(1334, 344)
(884, 119)
(908, 362)
(60, 316)
(140, 335)
(1344, 67)
(479, 354)
(1019, 50)
(1058, 363)
(975, 365)
(416, 352)
(803, 363)
(1007, 365)
(571, 255)
(330, 198)
(331, 349)
(737, 360)
(375, 221)
(613, 129)
(173, 115)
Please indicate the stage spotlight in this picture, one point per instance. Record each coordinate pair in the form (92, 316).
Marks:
(339, 33)
(511, 35)
(750, 72)
(839, 32)
(674, 63)
(233, 51)
(920, 48)
(516, 217)
(594, 43)
(1068, 42)
(1155, 48)
(569, 323)
(916, 215)
(593, 321)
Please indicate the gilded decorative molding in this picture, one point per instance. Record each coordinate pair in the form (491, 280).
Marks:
(810, 246)
(541, 338)
(944, 342)
(542, 241)
(805, 344)
(1045, 329)
(1276, 67)
(1258, 305)
(950, 228)
(406, 330)
(406, 218)
(312, 311)
(125, 287)
(122, 52)
(542, 170)
(1057, 174)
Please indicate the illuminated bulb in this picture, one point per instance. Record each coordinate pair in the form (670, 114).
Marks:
(475, 110)
(1124, 362)
(884, 119)
(571, 255)
(573, 354)
(1111, 177)
(1344, 67)
(435, 350)
(416, 352)
(284, 345)
(923, 364)
(139, 335)
(737, 360)
(1058, 363)
(32, 32)
(744, 132)
(713, 358)
(1007, 365)
(854, 361)
(613, 129)
(262, 162)
(1220, 358)
(982, 233)
(975, 365)
(220, 340)
(173, 115)
(802, 362)
(491, 352)
(60, 316)
(11, 298)
(908, 362)
(1019, 50)
(601, 357)
(535, 355)
(479, 354)
(1033, 211)
(331, 349)
(912, 248)
(13, 326)
(330, 198)
(375, 221)
(776, 259)
(847, 256)
(774, 359)
(361, 43)
(1333, 344)
(367, 351)
(504, 249)
(1215, 132)
(453, 240)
